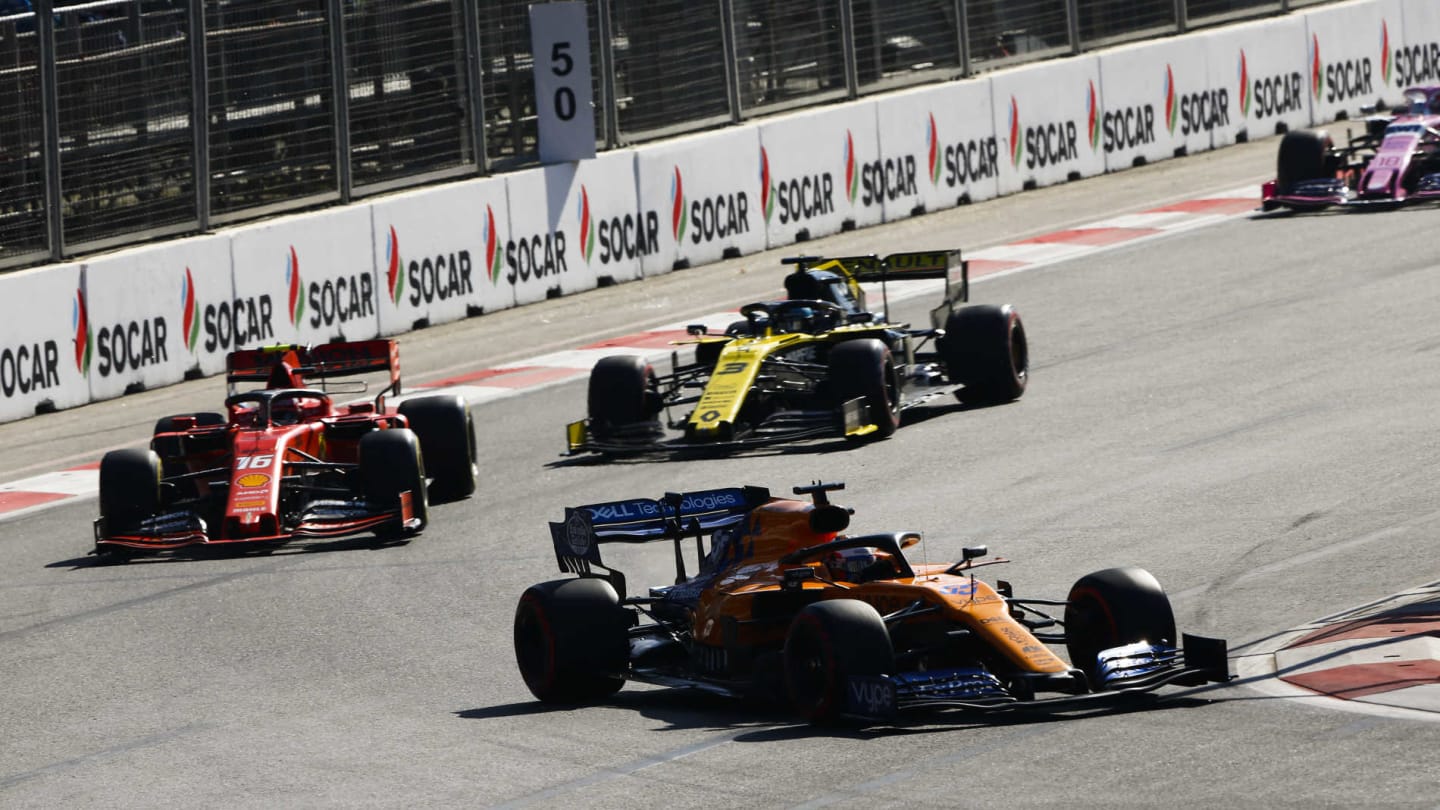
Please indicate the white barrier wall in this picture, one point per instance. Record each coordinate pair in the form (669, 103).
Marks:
(315, 272)
(151, 315)
(943, 138)
(1415, 58)
(704, 187)
(807, 181)
(593, 202)
(1047, 118)
(1160, 100)
(1349, 53)
(159, 312)
(438, 253)
(1266, 61)
(556, 218)
(45, 341)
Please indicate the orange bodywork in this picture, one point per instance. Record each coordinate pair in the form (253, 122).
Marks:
(744, 603)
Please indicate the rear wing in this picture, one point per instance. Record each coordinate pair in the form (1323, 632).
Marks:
(677, 515)
(911, 266)
(275, 365)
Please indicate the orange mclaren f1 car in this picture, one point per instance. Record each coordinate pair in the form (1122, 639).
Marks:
(783, 603)
(284, 461)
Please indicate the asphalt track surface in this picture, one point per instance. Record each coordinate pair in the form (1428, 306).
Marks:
(1247, 410)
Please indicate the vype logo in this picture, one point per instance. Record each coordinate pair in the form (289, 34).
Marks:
(872, 697)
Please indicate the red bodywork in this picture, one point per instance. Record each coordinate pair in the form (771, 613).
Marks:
(254, 476)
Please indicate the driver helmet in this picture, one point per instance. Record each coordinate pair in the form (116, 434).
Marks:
(285, 411)
(798, 319)
(849, 564)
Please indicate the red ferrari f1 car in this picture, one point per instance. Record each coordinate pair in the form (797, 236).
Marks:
(1396, 160)
(285, 461)
(783, 604)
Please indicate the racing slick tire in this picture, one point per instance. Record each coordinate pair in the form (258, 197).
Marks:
(391, 463)
(446, 430)
(129, 493)
(1304, 155)
(984, 349)
(571, 640)
(1111, 608)
(620, 394)
(864, 368)
(828, 643)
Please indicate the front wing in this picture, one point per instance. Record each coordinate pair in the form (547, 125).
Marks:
(321, 519)
(851, 420)
(1128, 670)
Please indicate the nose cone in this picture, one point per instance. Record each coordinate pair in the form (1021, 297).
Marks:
(1378, 183)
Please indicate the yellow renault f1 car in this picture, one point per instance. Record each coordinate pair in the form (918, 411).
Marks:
(785, 604)
(814, 365)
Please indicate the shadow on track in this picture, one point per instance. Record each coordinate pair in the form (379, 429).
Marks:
(765, 721)
(800, 447)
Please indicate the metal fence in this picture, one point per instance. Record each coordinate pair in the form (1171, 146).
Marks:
(128, 120)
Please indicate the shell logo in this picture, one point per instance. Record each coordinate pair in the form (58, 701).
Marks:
(253, 480)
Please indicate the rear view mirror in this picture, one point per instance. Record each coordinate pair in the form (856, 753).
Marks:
(974, 552)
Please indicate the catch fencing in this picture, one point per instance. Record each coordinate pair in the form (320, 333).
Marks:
(123, 121)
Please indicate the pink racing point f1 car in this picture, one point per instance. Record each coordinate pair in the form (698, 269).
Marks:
(1395, 161)
(284, 461)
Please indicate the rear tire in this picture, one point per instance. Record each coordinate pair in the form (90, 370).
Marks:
(985, 349)
(1304, 155)
(620, 394)
(571, 640)
(828, 643)
(864, 368)
(446, 430)
(129, 488)
(391, 463)
(1111, 608)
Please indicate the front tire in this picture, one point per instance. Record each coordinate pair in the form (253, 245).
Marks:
(985, 349)
(391, 464)
(865, 369)
(1304, 155)
(828, 643)
(129, 488)
(571, 640)
(446, 430)
(1111, 608)
(620, 394)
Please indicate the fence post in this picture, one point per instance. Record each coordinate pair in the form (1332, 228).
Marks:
(1182, 16)
(731, 57)
(847, 38)
(474, 79)
(50, 126)
(962, 30)
(608, 92)
(199, 111)
(1072, 25)
(340, 89)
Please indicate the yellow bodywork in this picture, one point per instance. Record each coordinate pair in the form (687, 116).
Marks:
(719, 407)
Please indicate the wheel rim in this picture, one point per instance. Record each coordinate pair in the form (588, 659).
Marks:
(808, 668)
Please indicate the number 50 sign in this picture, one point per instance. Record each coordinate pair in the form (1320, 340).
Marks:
(560, 41)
